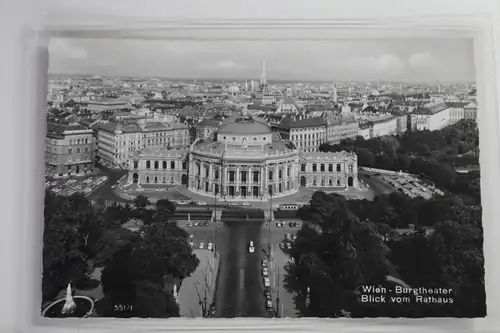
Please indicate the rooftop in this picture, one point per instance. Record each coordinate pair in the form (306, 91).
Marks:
(244, 124)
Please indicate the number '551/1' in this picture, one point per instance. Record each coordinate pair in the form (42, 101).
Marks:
(123, 307)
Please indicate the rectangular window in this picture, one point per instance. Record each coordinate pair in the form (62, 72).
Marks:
(303, 167)
(338, 167)
(70, 151)
(315, 167)
(243, 176)
(78, 150)
(330, 167)
(350, 168)
(322, 168)
(231, 176)
(270, 175)
(255, 176)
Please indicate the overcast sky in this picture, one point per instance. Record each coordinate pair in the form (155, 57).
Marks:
(422, 60)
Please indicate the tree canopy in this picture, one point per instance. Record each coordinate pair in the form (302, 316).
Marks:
(138, 268)
(345, 244)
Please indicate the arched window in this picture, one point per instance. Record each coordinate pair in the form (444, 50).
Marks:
(172, 165)
(164, 164)
(172, 180)
(156, 164)
(147, 179)
(164, 180)
(156, 180)
(314, 181)
(322, 182)
(148, 164)
(279, 188)
(330, 182)
(338, 182)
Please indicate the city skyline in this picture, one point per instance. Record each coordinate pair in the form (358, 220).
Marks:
(421, 60)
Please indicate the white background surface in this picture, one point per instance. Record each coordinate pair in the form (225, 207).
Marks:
(22, 126)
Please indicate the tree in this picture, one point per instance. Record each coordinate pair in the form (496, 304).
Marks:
(70, 230)
(139, 273)
(333, 255)
(141, 201)
(165, 210)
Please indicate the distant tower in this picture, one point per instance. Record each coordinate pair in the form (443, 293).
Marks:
(401, 89)
(263, 75)
(335, 96)
(439, 87)
(246, 85)
(350, 89)
(252, 86)
(378, 85)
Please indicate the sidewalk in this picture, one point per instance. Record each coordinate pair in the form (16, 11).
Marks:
(199, 285)
(276, 275)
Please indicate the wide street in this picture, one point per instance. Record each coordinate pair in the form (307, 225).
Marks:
(240, 288)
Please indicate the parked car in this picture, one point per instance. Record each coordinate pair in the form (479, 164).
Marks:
(264, 263)
(202, 245)
(201, 203)
(210, 246)
(251, 248)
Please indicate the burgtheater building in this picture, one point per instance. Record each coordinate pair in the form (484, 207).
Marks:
(245, 161)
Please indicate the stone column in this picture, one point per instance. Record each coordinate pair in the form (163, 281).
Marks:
(237, 176)
(210, 177)
(264, 179)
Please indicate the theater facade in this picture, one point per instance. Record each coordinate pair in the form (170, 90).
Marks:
(245, 161)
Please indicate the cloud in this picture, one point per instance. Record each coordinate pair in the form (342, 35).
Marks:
(226, 64)
(419, 60)
(66, 49)
(383, 63)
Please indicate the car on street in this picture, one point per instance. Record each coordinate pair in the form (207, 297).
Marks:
(191, 203)
(140, 190)
(113, 186)
(234, 204)
(201, 203)
(251, 248)
(269, 304)
(287, 236)
(278, 224)
(267, 294)
(264, 263)
(191, 244)
(210, 247)
(191, 236)
(267, 282)
(160, 189)
(293, 237)
(245, 203)
(182, 202)
(265, 272)
(289, 245)
(202, 245)
(189, 225)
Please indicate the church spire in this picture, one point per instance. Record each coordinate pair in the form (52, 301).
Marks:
(263, 75)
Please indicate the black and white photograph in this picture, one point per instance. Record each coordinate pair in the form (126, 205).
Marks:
(271, 179)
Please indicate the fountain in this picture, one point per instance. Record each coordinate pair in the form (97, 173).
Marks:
(70, 306)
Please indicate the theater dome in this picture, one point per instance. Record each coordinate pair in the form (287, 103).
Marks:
(244, 126)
